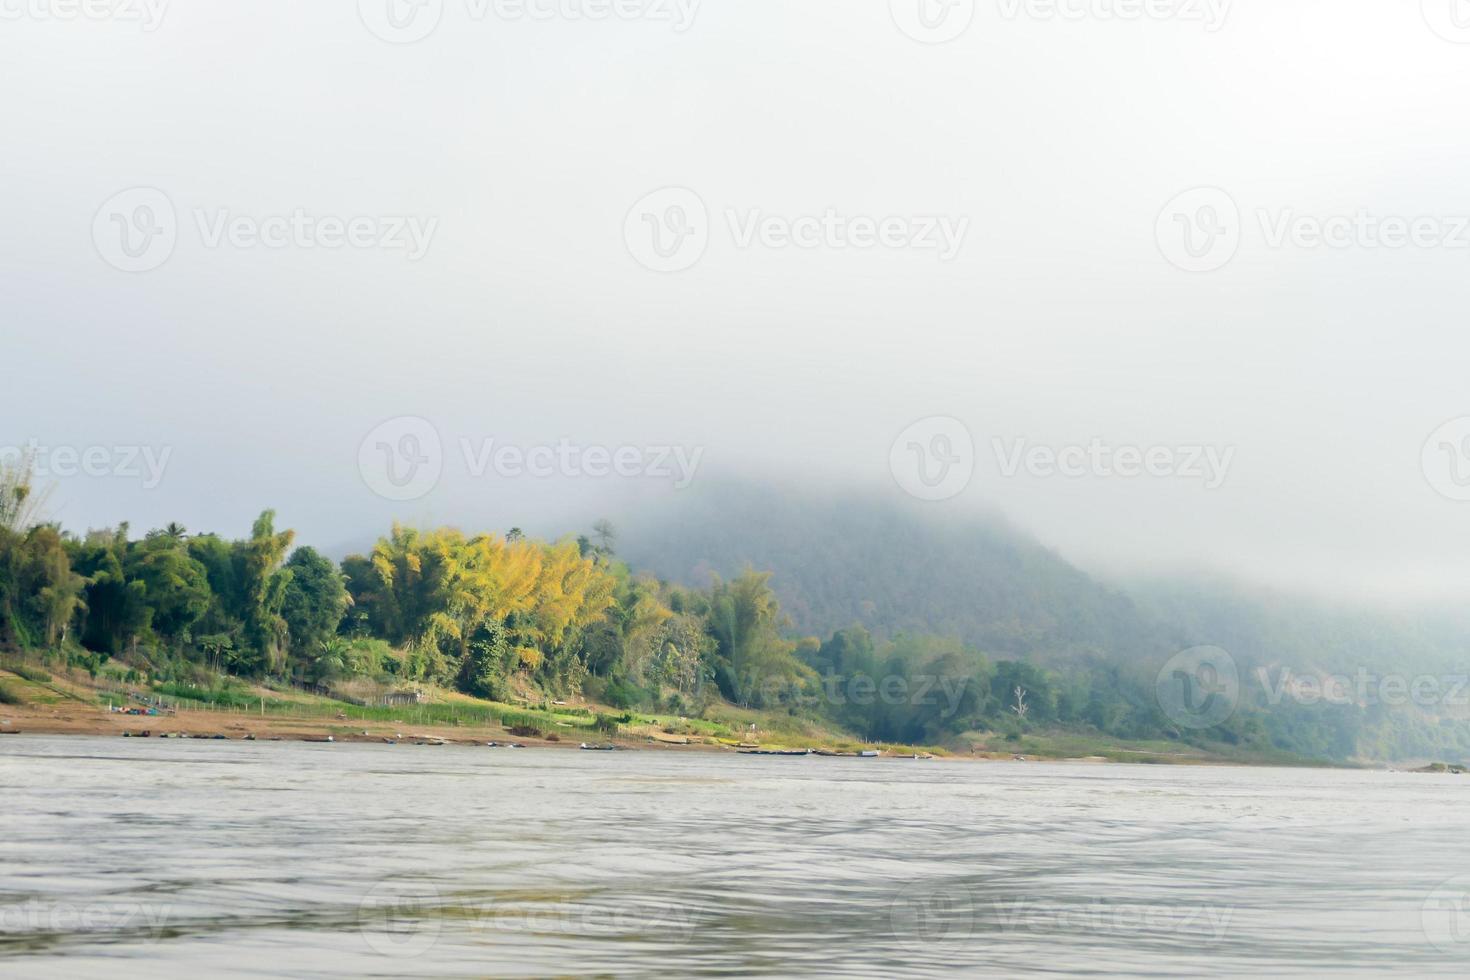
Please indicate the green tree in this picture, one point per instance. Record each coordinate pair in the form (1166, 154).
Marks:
(175, 585)
(265, 580)
(314, 603)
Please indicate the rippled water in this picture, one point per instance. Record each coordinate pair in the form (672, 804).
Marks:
(186, 858)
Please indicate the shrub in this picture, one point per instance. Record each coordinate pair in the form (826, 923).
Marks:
(7, 696)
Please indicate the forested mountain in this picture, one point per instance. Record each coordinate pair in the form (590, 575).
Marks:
(894, 569)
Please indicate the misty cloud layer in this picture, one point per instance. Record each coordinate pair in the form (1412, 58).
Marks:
(850, 234)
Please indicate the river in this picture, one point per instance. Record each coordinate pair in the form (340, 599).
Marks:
(148, 858)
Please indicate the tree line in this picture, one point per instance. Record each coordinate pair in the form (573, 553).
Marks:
(505, 617)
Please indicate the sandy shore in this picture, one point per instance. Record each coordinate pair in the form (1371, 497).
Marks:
(84, 720)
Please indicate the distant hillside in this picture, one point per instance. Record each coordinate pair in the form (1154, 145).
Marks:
(895, 570)
(898, 569)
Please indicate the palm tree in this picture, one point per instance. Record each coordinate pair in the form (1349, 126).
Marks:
(606, 536)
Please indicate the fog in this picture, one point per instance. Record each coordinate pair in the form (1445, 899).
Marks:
(753, 241)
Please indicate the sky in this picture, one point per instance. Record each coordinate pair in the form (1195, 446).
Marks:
(1171, 284)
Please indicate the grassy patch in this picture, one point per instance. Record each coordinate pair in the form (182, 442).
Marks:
(29, 673)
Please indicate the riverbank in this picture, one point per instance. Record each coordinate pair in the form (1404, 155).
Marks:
(69, 703)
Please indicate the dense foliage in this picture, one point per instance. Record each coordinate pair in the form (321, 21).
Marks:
(504, 617)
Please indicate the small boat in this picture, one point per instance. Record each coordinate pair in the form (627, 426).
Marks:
(775, 751)
(11, 732)
(868, 754)
(248, 738)
(516, 745)
(597, 748)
